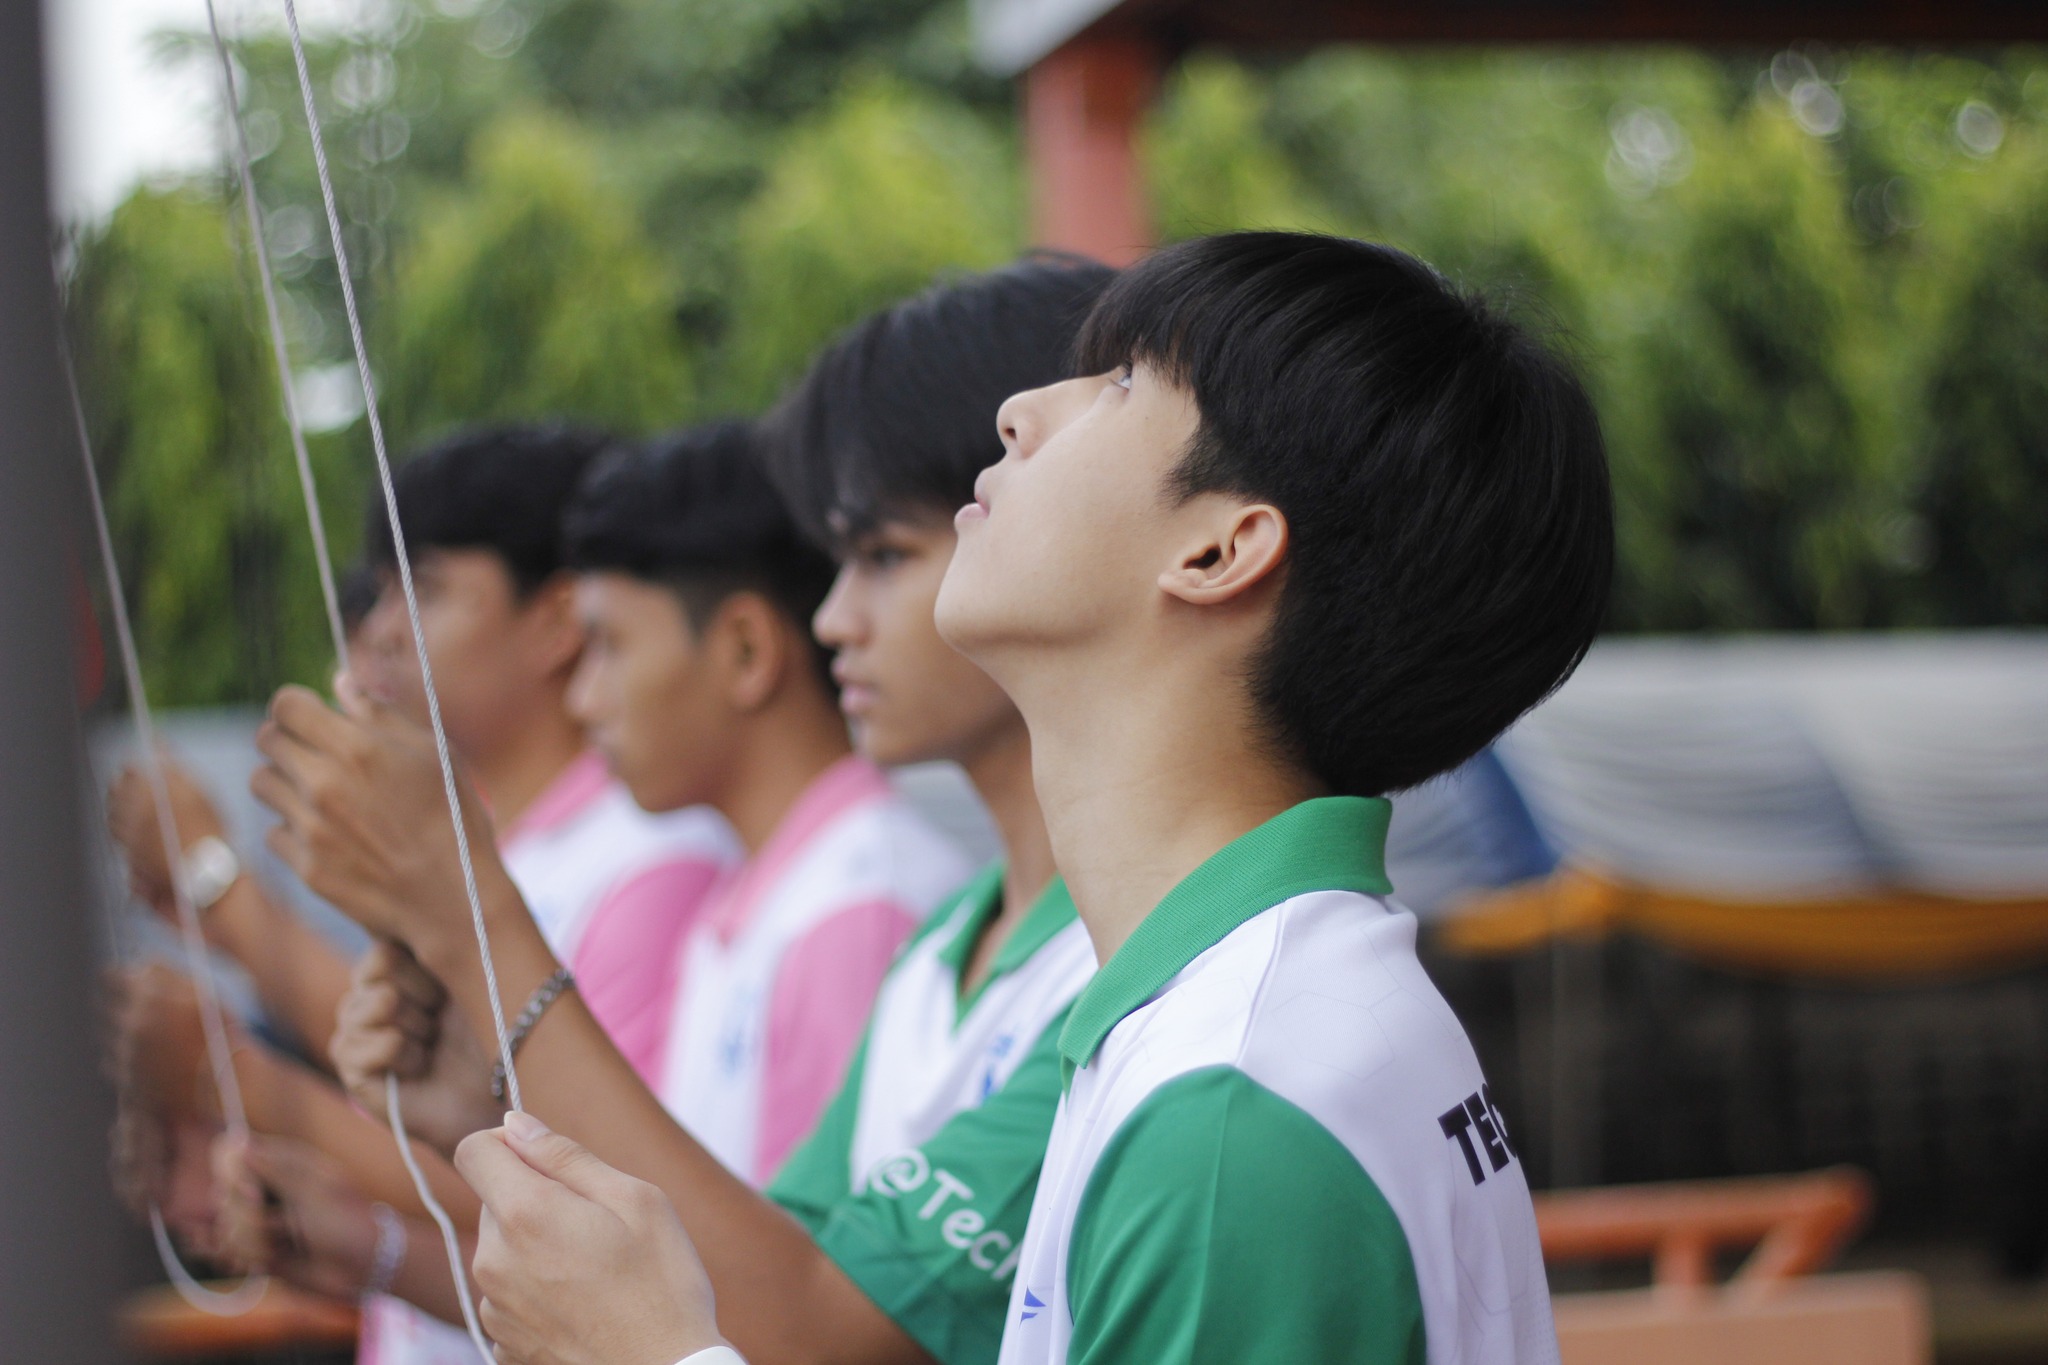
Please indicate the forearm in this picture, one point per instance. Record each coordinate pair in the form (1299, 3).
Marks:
(423, 1278)
(781, 1300)
(286, 1099)
(299, 975)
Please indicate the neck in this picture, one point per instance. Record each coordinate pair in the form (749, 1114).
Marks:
(1001, 774)
(535, 751)
(1141, 785)
(790, 742)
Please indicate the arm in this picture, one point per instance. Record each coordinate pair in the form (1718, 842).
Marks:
(298, 974)
(365, 824)
(288, 1210)
(288, 1100)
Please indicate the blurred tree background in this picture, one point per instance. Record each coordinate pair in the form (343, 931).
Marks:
(1810, 289)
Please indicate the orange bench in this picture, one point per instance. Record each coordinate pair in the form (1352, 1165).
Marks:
(1774, 1311)
(158, 1325)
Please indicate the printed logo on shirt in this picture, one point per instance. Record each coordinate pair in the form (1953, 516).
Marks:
(1032, 1305)
(964, 1228)
(738, 1040)
(1477, 1127)
(999, 1049)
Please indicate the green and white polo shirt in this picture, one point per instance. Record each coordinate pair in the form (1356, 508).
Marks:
(918, 1179)
(1275, 1144)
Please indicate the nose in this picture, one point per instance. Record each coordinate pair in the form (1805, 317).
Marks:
(835, 623)
(1020, 421)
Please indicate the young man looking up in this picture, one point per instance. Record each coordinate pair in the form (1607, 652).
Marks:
(1314, 527)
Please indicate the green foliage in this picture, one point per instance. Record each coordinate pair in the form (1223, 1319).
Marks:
(202, 492)
(1810, 293)
(860, 207)
(1779, 279)
(530, 290)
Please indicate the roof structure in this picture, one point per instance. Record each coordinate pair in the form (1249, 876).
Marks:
(1014, 35)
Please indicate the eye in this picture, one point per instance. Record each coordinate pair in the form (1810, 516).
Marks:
(1121, 376)
(879, 557)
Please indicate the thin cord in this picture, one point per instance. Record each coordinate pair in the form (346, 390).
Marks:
(219, 1051)
(450, 1243)
(321, 558)
(412, 605)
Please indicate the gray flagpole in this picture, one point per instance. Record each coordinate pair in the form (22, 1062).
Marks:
(57, 1276)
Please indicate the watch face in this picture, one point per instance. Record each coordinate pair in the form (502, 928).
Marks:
(210, 868)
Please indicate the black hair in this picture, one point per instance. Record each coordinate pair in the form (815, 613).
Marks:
(356, 595)
(496, 488)
(695, 512)
(1451, 531)
(898, 414)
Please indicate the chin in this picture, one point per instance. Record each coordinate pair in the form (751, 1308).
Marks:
(955, 612)
(647, 796)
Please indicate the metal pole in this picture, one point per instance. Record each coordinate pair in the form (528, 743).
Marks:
(56, 1222)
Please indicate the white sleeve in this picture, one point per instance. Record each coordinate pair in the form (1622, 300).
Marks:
(715, 1355)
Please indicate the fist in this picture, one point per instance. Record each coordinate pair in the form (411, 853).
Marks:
(397, 1019)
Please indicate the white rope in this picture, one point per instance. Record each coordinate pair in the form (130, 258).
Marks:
(212, 1023)
(412, 605)
(395, 1112)
(449, 1241)
(321, 558)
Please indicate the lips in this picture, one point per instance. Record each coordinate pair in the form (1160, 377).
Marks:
(856, 695)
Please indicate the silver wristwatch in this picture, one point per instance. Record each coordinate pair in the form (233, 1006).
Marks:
(208, 869)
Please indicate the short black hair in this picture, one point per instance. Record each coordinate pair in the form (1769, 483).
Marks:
(356, 595)
(497, 488)
(1441, 469)
(694, 511)
(898, 414)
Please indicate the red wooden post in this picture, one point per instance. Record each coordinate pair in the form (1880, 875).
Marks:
(1082, 107)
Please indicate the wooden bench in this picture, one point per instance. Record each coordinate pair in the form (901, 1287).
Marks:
(1773, 1311)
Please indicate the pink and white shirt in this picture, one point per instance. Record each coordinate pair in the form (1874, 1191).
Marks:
(614, 890)
(779, 974)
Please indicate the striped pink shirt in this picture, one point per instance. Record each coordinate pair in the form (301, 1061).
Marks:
(778, 975)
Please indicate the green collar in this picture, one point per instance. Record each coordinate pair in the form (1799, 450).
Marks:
(1333, 843)
(979, 903)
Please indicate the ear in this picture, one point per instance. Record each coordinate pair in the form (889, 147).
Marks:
(1236, 547)
(553, 625)
(752, 645)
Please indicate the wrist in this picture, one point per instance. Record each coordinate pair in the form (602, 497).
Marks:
(388, 1255)
(207, 871)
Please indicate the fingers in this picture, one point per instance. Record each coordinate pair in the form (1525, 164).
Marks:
(571, 1164)
(298, 713)
(497, 1174)
(365, 1049)
(393, 963)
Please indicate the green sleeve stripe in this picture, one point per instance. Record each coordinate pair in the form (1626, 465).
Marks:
(1223, 1223)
